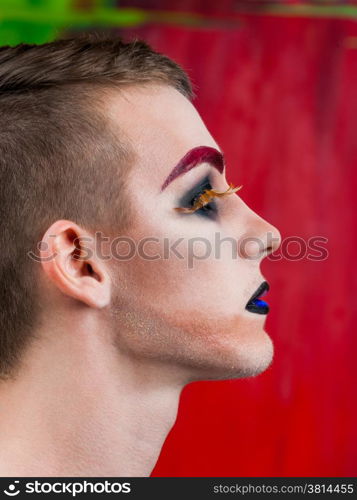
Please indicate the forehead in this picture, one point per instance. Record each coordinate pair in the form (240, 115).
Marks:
(161, 125)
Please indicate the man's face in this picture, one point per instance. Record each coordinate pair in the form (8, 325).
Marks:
(185, 308)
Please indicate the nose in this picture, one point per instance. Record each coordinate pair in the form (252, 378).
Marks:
(259, 239)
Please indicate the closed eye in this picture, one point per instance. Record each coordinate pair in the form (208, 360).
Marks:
(202, 201)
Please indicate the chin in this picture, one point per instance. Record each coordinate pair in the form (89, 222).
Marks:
(251, 359)
(239, 362)
(197, 345)
(239, 349)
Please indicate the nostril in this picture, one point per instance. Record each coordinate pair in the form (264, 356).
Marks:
(273, 240)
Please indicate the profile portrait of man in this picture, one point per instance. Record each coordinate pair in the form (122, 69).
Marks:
(112, 190)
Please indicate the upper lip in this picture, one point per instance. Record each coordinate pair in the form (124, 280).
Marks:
(262, 289)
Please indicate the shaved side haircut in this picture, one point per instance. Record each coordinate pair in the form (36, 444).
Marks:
(60, 157)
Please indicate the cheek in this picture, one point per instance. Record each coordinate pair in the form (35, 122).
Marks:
(197, 277)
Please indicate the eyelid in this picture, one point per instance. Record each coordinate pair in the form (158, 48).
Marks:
(206, 197)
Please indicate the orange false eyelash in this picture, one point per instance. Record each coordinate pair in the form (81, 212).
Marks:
(206, 197)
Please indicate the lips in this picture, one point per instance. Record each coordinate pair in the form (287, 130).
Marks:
(255, 304)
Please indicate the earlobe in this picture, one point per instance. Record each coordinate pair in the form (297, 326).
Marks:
(68, 259)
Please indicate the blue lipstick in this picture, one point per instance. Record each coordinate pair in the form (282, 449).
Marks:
(255, 304)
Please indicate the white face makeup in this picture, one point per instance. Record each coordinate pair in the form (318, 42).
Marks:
(183, 310)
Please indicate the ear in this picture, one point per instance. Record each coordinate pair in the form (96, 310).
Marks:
(69, 260)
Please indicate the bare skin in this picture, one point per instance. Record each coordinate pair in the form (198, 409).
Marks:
(98, 392)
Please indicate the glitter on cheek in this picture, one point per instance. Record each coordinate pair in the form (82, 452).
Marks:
(193, 341)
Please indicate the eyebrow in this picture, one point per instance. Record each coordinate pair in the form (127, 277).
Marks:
(194, 157)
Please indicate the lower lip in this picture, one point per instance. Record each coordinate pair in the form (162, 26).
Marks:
(258, 306)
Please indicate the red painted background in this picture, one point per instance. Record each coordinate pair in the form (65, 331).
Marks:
(279, 95)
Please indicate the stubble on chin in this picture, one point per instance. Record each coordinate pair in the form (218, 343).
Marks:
(197, 345)
(226, 348)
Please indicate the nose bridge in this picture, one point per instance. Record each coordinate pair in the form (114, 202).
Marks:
(259, 238)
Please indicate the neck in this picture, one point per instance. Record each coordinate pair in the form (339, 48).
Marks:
(80, 408)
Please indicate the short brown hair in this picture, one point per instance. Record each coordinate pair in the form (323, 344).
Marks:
(55, 146)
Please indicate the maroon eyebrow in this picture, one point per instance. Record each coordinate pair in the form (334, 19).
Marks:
(201, 154)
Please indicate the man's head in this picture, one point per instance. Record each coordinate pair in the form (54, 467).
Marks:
(60, 158)
(91, 132)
